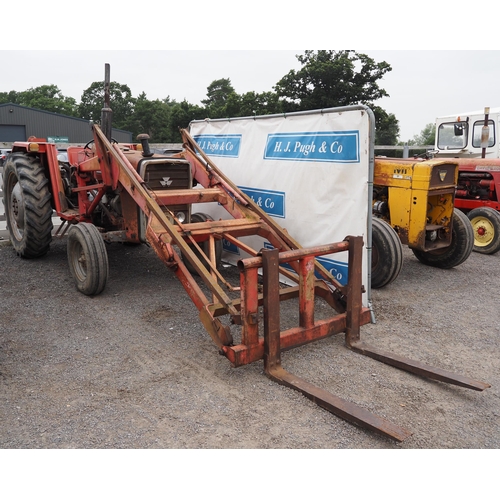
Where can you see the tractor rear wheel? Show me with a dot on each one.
(462, 243)
(27, 203)
(387, 254)
(205, 246)
(486, 226)
(87, 258)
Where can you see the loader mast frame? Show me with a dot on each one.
(345, 301)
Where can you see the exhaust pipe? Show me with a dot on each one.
(144, 138)
(106, 112)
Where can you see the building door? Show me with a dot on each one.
(11, 133)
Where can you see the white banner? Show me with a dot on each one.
(311, 171)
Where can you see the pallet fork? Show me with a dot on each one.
(345, 301)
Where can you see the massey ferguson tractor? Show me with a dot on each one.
(471, 139)
(109, 193)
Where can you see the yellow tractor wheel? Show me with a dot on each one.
(486, 225)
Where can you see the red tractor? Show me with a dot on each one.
(472, 140)
(110, 192)
(477, 195)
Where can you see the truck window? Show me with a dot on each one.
(452, 135)
(476, 137)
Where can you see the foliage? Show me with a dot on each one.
(181, 115)
(265, 103)
(121, 102)
(330, 78)
(386, 127)
(46, 97)
(9, 97)
(149, 117)
(426, 137)
(326, 79)
(222, 100)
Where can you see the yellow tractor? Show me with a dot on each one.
(415, 198)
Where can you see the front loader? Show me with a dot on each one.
(109, 192)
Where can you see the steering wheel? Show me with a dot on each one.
(87, 146)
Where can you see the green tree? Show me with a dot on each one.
(426, 137)
(121, 102)
(265, 103)
(386, 127)
(9, 97)
(222, 100)
(46, 97)
(181, 114)
(150, 117)
(330, 78)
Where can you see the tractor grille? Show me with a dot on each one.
(161, 174)
(166, 175)
(443, 176)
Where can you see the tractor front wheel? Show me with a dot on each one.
(462, 243)
(486, 226)
(27, 203)
(387, 254)
(87, 258)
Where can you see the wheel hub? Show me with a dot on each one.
(484, 231)
(17, 209)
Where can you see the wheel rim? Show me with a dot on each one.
(484, 232)
(16, 212)
(78, 261)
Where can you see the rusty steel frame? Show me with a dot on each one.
(312, 280)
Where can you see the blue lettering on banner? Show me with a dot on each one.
(227, 145)
(337, 269)
(230, 247)
(339, 147)
(272, 202)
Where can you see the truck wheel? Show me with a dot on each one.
(486, 226)
(87, 258)
(205, 246)
(27, 203)
(462, 243)
(387, 254)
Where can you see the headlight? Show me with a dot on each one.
(180, 216)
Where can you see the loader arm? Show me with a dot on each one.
(244, 311)
(195, 153)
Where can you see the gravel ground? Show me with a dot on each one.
(134, 367)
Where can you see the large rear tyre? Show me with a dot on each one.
(27, 203)
(87, 258)
(205, 246)
(387, 254)
(486, 227)
(462, 243)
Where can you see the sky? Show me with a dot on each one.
(425, 82)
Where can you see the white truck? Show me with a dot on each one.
(472, 139)
(469, 135)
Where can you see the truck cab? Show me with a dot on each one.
(467, 134)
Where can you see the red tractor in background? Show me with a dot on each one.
(472, 140)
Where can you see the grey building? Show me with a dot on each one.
(17, 123)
